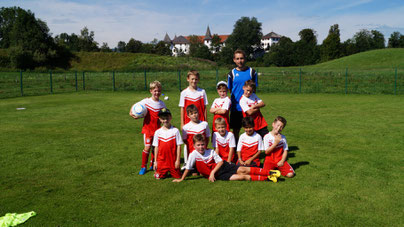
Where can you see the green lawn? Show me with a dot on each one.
(73, 158)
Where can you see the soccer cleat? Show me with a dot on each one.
(273, 178)
(276, 173)
(151, 168)
(142, 171)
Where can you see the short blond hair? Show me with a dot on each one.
(220, 121)
(155, 84)
(193, 72)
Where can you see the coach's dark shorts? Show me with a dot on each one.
(226, 171)
(235, 119)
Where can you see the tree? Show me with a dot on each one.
(197, 49)
(147, 48)
(71, 42)
(121, 47)
(331, 45)
(216, 43)
(363, 40)
(282, 53)
(29, 42)
(377, 40)
(348, 48)
(134, 46)
(86, 41)
(105, 48)
(307, 51)
(396, 40)
(225, 56)
(161, 48)
(246, 35)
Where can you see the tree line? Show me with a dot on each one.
(26, 43)
(247, 35)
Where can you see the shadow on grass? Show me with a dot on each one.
(291, 153)
(298, 164)
(293, 148)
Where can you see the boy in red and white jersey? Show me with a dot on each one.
(195, 126)
(221, 106)
(251, 105)
(276, 149)
(224, 142)
(249, 145)
(193, 95)
(150, 123)
(211, 166)
(167, 148)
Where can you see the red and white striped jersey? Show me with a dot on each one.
(198, 98)
(151, 121)
(191, 129)
(222, 103)
(246, 103)
(275, 155)
(167, 141)
(249, 146)
(204, 163)
(224, 143)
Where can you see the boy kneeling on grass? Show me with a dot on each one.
(167, 147)
(211, 166)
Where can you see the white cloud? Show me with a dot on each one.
(115, 21)
(352, 4)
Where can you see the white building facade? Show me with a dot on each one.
(180, 45)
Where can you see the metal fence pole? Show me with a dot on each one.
(21, 87)
(84, 81)
(179, 79)
(50, 79)
(113, 80)
(75, 77)
(300, 80)
(395, 83)
(346, 80)
(145, 80)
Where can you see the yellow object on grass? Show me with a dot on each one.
(13, 219)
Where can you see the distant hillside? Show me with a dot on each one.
(374, 59)
(98, 61)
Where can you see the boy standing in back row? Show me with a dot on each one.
(193, 95)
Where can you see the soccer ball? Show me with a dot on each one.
(166, 98)
(139, 110)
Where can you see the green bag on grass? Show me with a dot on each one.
(13, 219)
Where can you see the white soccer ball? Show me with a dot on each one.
(139, 110)
(166, 98)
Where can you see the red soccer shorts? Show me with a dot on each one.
(285, 169)
(162, 173)
(148, 140)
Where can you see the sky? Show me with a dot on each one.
(119, 20)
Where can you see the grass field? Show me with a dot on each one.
(371, 72)
(74, 158)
